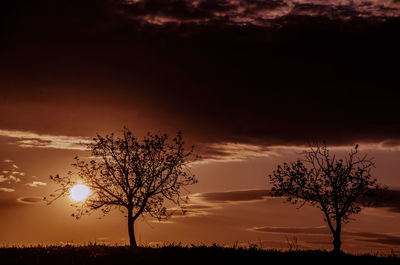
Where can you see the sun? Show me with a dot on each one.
(79, 192)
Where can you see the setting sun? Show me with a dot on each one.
(79, 192)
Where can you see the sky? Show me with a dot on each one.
(250, 83)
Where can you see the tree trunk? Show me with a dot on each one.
(337, 244)
(131, 230)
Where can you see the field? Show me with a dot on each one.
(178, 255)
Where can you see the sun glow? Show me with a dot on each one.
(79, 192)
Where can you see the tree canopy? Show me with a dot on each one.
(134, 175)
(335, 185)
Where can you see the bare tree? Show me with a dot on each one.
(136, 176)
(336, 186)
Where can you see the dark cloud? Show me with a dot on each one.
(30, 200)
(233, 196)
(331, 11)
(198, 207)
(391, 143)
(203, 201)
(218, 70)
(390, 200)
(293, 230)
(173, 9)
(249, 12)
(386, 239)
(257, 5)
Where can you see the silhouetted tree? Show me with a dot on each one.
(336, 186)
(136, 176)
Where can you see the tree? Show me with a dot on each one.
(136, 176)
(336, 186)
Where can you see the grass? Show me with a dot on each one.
(98, 254)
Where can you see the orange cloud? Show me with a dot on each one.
(34, 140)
(7, 189)
(36, 184)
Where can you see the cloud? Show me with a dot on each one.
(237, 152)
(36, 184)
(383, 238)
(232, 196)
(391, 201)
(33, 140)
(9, 178)
(197, 207)
(321, 230)
(231, 152)
(189, 210)
(7, 189)
(30, 200)
(231, 12)
(11, 175)
(250, 12)
(204, 203)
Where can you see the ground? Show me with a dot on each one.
(178, 255)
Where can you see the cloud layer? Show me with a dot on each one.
(30, 200)
(209, 200)
(251, 12)
(36, 184)
(232, 196)
(7, 189)
(30, 139)
(388, 239)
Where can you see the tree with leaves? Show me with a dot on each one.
(133, 175)
(337, 186)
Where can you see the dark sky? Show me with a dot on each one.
(247, 71)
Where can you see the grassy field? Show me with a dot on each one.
(177, 255)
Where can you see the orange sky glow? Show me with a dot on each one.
(229, 204)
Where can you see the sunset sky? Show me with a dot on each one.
(250, 83)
